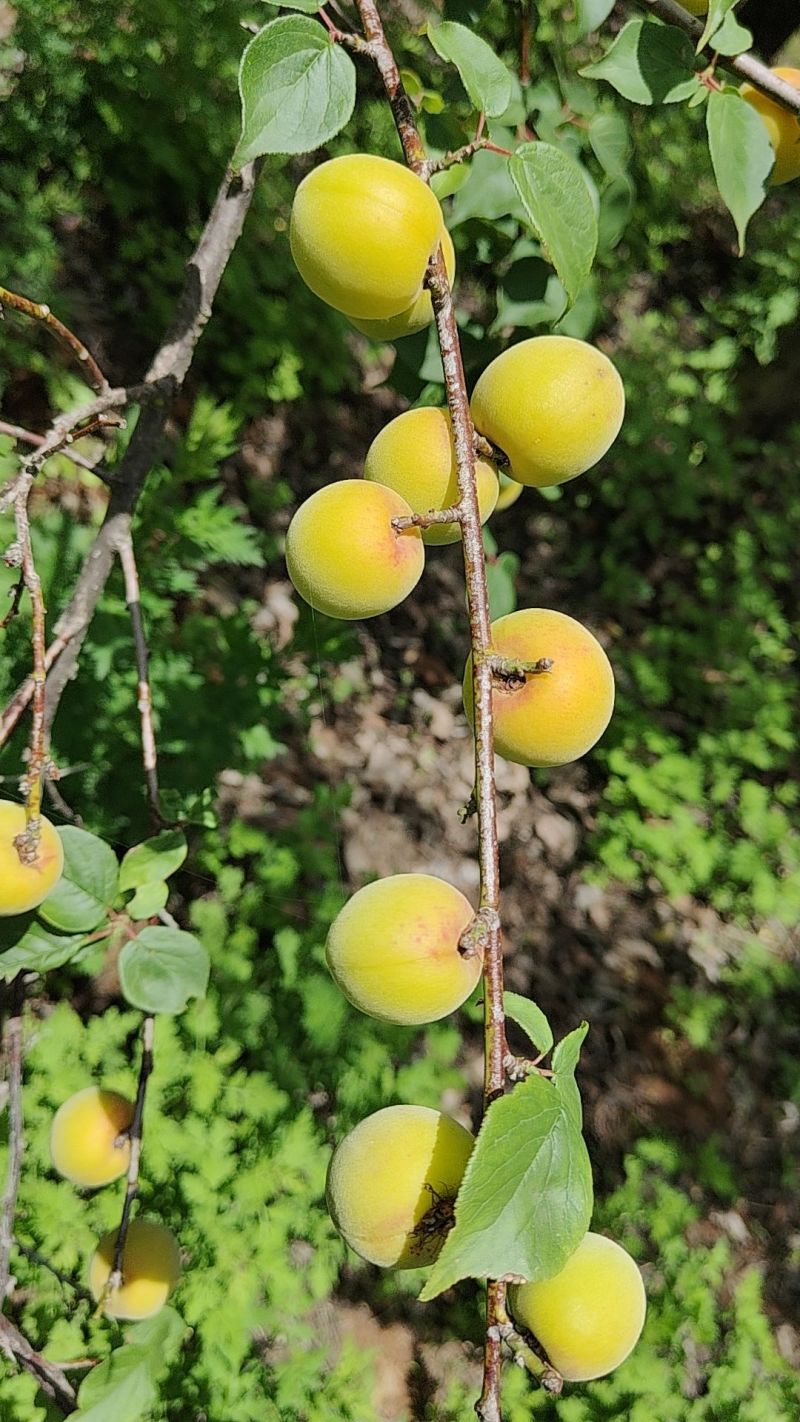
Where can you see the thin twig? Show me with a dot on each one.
(37, 1258)
(487, 921)
(751, 68)
(22, 696)
(144, 700)
(48, 1375)
(28, 437)
(12, 1042)
(39, 312)
(135, 1136)
(427, 520)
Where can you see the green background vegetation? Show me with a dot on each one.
(680, 550)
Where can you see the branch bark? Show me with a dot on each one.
(135, 1135)
(487, 923)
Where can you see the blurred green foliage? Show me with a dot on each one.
(680, 549)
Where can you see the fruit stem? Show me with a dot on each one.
(488, 917)
(135, 1137)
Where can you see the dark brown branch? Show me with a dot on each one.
(48, 1375)
(39, 312)
(12, 1044)
(488, 917)
(751, 68)
(144, 699)
(135, 1137)
(163, 381)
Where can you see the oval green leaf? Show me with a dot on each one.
(741, 155)
(88, 886)
(485, 78)
(648, 64)
(162, 968)
(152, 860)
(298, 89)
(530, 1018)
(557, 200)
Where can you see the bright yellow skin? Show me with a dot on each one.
(558, 715)
(510, 491)
(415, 455)
(393, 949)
(397, 1168)
(589, 1317)
(343, 555)
(84, 1137)
(151, 1266)
(419, 314)
(362, 232)
(25, 886)
(554, 405)
(782, 127)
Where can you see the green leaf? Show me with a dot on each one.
(484, 76)
(590, 14)
(564, 1061)
(501, 576)
(717, 11)
(526, 1199)
(34, 948)
(608, 135)
(149, 900)
(88, 886)
(298, 89)
(309, 7)
(556, 197)
(155, 859)
(741, 154)
(530, 1018)
(123, 1387)
(732, 38)
(162, 968)
(648, 64)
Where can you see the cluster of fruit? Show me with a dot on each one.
(363, 230)
(90, 1146)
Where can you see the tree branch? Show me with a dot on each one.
(135, 1136)
(751, 68)
(39, 312)
(144, 699)
(12, 1043)
(48, 1375)
(488, 916)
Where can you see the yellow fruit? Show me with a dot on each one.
(25, 886)
(362, 232)
(510, 491)
(343, 555)
(781, 125)
(558, 715)
(419, 314)
(85, 1143)
(553, 405)
(589, 1317)
(392, 1183)
(393, 949)
(151, 1266)
(415, 455)
(695, 7)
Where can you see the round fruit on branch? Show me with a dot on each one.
(415, 455)
(362, 232)
(554, 716)
(392, 1184)
(345, 557)
(589, 1317)
(553, 405)
(394, 950)
(23, 886)
(151, 1266)
(88, 1138)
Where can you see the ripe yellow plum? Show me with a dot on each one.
(394, 949)
(343, 555)
(362, 231)
(392, 1183)
(88, 1144)
(510, 491)
(419, 314)
(557, 715)
(553, 405)
(415, 455)
(589, 1317)
(151, 1266)
(781, 125)
(25, 886)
